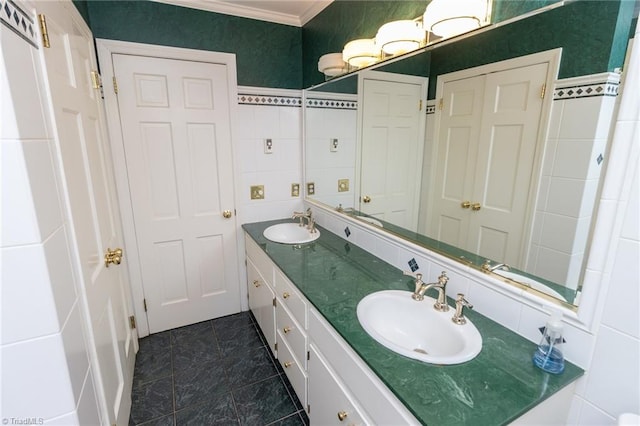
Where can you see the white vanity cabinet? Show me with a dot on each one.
(261, 293)
(359, 393)
(291, 334)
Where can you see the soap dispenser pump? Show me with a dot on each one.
(548, 355)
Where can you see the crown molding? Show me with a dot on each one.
(235, 9)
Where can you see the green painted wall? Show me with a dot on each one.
(267, 54)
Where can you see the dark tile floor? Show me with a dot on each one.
(216, 372)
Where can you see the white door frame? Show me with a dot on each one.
(107, 48)
(552, 57)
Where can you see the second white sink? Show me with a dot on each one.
(290, 233)
(416, 330)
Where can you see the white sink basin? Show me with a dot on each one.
(290, 233)
(531, 283)
(416, 330)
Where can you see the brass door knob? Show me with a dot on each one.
(288, 364)
(366, 199)
(465, 204)
(285, 295)
(342, 415)
(226, 214)
(113, 256)
(475, 207)
(256, 283)
(286, 330)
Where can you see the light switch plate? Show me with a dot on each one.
(343, 185)
(268, 146)
(257, 192)
(295, 189)
(311, 188)
(333, 145)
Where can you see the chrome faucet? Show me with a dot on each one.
(311, 223)
(486, 266)
(461, 303)
(421, 288)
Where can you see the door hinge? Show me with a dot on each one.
(308, 409)
(275, 346)
(420, 106)
(144, 302)
(95, 80)
(308, 356)
(132, 321)
(441, 104)
(115, 85)
(274, 302)
(543, 91)
(43, 30)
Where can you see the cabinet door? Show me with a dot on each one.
(261, 299)
(329, 403)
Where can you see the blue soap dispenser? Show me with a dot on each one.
(548, 355)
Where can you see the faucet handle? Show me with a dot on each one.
(443, 279)
(461, 303)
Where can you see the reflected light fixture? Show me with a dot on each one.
(332, 64)
(447, 18)
(361, 52)
(399, 37)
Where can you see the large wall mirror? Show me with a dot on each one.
(453, 178)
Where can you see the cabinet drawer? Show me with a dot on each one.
(291, 332)
(329, 401)
(377, 400)
(292, 369)
(288, 294)
(262, 262)
(261, 299)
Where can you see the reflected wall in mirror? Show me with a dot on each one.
(475, 167)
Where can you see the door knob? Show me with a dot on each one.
(226, 214)
(112, 256)
(342, 415)
(286, 329)
(465, 204)
(475, 207)
(366, 199)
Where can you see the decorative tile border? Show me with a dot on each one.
(331, 103)
(605, 88)
(253, 99)
(431, 109)
(18, 21)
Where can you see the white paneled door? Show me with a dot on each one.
(90, 189)
(488, 135)
(175, 120)
(392, 145)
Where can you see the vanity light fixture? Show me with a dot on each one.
(332, 64)
(447, 18)
(361, 52)
(397, 37)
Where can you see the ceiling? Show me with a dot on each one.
(288, 12)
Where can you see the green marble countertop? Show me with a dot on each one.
(495, 388)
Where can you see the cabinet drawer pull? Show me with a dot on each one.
(286, 330)
(285, 295)
(342, 415)
(256, 283)
(288, 364)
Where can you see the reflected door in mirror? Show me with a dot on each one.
(486, 148)
(392, 146)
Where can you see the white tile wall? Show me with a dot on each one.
(577, 136)
(276, 171)
(45, 363)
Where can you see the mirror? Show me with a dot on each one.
(341, 140)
